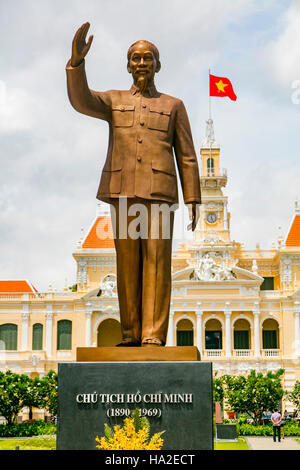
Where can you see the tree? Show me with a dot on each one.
(19, 390)
(34, 395)
(49, 386)
(294, 395)
(255, 393)
(13, 392)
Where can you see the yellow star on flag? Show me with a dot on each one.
(221, 86)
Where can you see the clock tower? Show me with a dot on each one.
(214, 223)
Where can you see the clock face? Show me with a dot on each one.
(211, 218)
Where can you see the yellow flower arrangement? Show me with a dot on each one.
(134, 435)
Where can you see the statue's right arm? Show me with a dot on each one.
(82, 98)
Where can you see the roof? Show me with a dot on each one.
(293, 238)
(17, 286)
(100, 234)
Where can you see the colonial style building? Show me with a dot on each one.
(240, 308)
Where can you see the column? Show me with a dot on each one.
(297, 327)
(225, 216)
(49, 326)
(256, 313)
(88, 324)
(170, 336)
(24, 338)
(227, 312)
(199, 313)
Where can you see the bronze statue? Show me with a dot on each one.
(144, 128)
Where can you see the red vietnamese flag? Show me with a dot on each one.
(221, 86)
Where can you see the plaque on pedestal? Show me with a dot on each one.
(176, 396)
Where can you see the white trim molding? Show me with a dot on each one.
(297, 327)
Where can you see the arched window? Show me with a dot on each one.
(9, 337)
(185, 333)
(270, 334)
(213, 334)
(210, 166)
(241, 334)
(37, 337)
(64, 334)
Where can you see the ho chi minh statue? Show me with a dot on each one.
(145, 126)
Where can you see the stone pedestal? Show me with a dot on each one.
(128, 354)
(176, 396)
(226, 432)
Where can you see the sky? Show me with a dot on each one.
(52, 156)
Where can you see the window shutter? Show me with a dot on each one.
(64, 334)
(185, 338)
(241, 339)
(269, 339)
(9, 337)
(37, 337)
(213, 339)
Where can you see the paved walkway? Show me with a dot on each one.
(267, 443)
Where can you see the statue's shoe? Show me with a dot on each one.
(128, 343)
(152, 342)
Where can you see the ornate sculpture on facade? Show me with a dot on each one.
(109, 286)
(208, 270)
(210, 134)
(286, 271)
(209, 140)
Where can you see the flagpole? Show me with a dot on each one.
(209, 98)
(209, 110)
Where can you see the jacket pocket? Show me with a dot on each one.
(110, 182)
(122, 115)
(163, 180)
(158, 120)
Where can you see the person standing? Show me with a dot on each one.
(276, 419)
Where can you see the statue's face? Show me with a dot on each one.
(142, 63)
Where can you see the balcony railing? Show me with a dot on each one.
(34, 295)
(213, 352)
(270, 352)
(271, 293)
(265, 353)
(11, 296)
(222, 173)
(242, 352)
(30, 355)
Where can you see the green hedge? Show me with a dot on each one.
(35, 428)
(290, 429)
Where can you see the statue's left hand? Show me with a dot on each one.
(194, 215)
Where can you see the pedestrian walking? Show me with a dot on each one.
(276, 419)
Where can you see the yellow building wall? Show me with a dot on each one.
(288, 334)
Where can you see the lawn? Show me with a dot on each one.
(241, 444)
(32, 443)
(49, 443)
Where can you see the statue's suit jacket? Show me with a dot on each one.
(143, 131)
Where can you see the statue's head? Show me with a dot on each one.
(143, 63)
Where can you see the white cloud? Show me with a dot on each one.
(15, 104)
(282, 55)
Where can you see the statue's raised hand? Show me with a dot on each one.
(80, 47)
